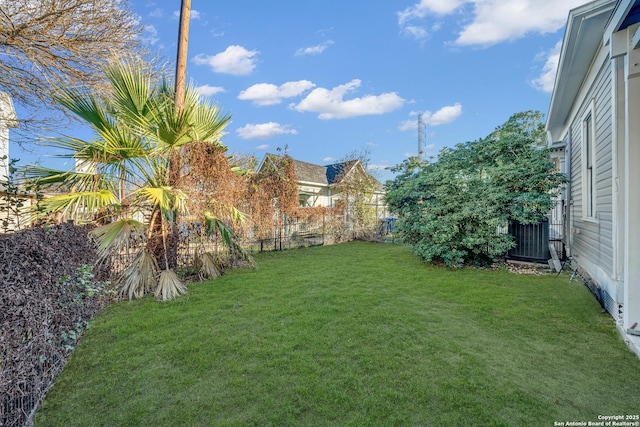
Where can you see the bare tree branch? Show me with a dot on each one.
(46, 44)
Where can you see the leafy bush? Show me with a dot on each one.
(456, 209)
(47, 296)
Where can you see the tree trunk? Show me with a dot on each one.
(175, 161)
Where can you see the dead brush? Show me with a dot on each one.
(210, 266)
(140, 277)
(169, 286)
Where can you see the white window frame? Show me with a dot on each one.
(589, 163)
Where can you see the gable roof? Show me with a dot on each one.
(337, 171)
(316, 174)
(308, 172)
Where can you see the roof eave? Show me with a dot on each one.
(620, 13)
(582, 39)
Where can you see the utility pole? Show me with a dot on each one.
(421, 136)
(181, 60)
(175, 161)
(180, 83)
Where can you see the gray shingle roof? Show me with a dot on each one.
(317, 174)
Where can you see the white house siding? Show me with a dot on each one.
(592, 240)
(4, 151)
(317, 194)
(599, 66)
(8, 120)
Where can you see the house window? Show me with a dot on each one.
(305, 200)
(589, 168)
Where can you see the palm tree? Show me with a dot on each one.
(122, 178)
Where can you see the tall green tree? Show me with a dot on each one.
(122, 176)
(457, 208)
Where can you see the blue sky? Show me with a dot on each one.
(327, 78)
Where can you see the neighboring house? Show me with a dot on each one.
(325, 185)
(16, 217)
(8, 120)
(593, 125)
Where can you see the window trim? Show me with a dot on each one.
(589, 165)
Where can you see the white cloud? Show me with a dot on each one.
(314, 50)
(328, 159)
(496, 21)
(489, 21)
(264, 130)
(443, 116)
(415, 31)
(420, 10)
(270, 94)
(149, 34)
(206, 90)
(156, 13)
(330, 103)
(262, 147)
(194, 14)
(408, 125)
(235, 60)
(547, 78)
(378, 168)
(425, 7)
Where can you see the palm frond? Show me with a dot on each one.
(131, 88)
(79, 204)
(169, 286)
(155, 170)
(229, 237)
(210, 266)
(158, 196)
(227, 211)
(198, 120)
(117, 236)
(171, 201)
(139, 278)
(80, 181)
(208, 122)
(85, 105)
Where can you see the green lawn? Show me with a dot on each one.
(353, 334)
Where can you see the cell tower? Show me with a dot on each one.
(421, 136)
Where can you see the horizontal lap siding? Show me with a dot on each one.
(594, 240)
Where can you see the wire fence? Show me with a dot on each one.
(25, 392)
(26, 389)
(286, 234)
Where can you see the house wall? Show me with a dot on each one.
(318, 195)
(15, 221)
(591, 239)
(4, 151)
(604, 246)
(631, 174)
(7, 120)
